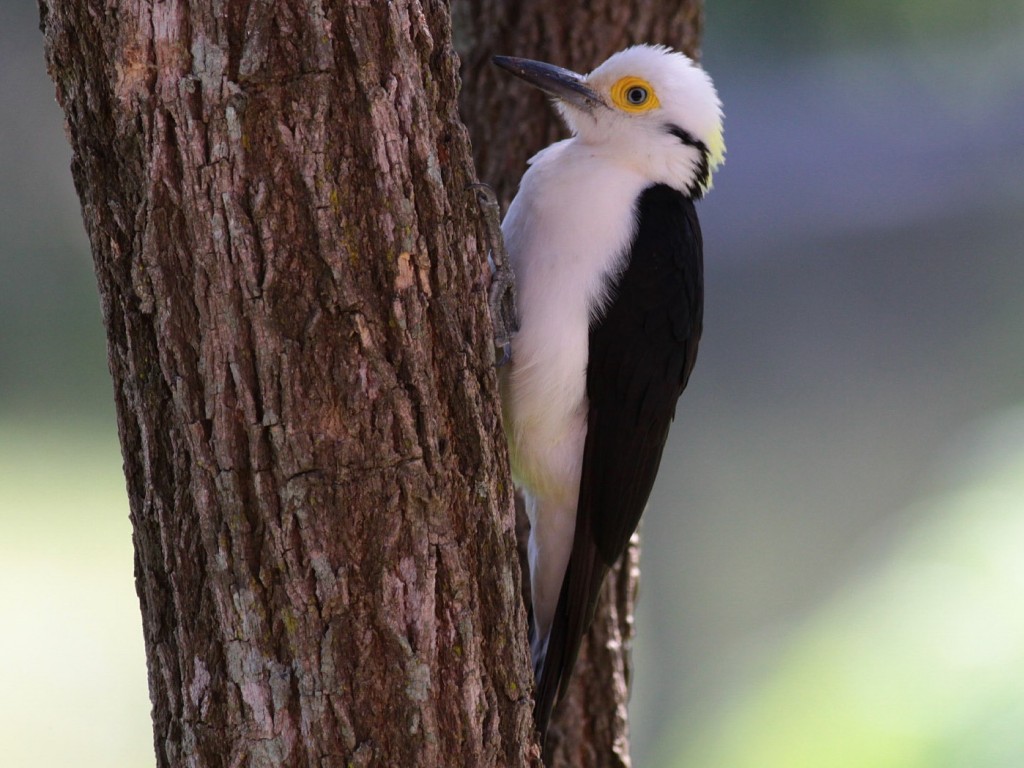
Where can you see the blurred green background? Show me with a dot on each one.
(834, 555)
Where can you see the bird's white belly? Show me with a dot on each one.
(546, 406)
(568, 228)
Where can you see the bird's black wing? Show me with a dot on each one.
(642, 350)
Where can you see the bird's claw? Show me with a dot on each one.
(502, 303)
(506, 354)
(502, 294)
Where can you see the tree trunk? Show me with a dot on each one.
(293, 282)
(508, 123)
(291, 273)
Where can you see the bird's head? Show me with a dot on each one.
(653, 107)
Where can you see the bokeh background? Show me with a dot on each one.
(834, 554)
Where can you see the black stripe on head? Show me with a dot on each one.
(703, 170)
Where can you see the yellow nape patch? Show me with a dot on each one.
(716, 156)
(634, 94)
(716, 150)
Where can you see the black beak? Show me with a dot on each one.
(561, 83)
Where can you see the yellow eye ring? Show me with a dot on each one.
(633, 94)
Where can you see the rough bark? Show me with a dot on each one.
(508, 123)
(290, 268)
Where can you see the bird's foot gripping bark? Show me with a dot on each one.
(502, 296)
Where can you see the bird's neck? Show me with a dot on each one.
(660, 160)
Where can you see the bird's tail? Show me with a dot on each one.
(555, 656)
(547, 674)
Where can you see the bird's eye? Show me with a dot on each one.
(636, 95)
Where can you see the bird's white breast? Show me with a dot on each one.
(567, 233)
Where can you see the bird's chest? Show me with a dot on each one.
(568, 233)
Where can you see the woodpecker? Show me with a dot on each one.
(606, 248)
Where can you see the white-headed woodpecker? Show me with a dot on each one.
(607, 252)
